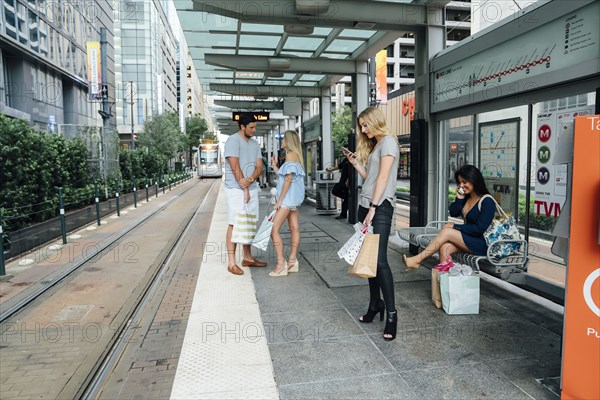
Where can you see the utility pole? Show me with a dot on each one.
(131, 103)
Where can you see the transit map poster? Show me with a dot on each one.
(499, 157)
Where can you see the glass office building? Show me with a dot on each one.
(146, 65)
(43, 68)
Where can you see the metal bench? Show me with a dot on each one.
(501, 267)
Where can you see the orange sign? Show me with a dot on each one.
(408, 106)
(581, 340)
(381, 75)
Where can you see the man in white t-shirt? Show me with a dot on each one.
(242, 170)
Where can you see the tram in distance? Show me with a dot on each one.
(209, 160)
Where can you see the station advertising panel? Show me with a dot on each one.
(562, 49)
(551, 176)
(581, 339)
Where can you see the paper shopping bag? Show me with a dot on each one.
(261, 239)
(365, 265)
(244, 227)
(436, 295)
(460, 294)
(351, 248)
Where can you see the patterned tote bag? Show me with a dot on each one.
(503, 227)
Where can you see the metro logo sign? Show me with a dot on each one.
(544, 133)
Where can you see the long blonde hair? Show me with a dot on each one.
(292, 142)
(377, 126)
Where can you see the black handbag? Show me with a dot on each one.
(340, 190)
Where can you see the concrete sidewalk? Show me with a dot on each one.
(298, 337)
(319, 349)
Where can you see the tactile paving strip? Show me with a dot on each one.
(225, 353)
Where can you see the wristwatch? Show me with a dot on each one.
(371, 205)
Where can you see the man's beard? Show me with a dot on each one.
(248, 136)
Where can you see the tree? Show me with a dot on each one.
(161, 134)
(195, 129)
(341, 126)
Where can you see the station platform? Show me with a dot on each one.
(294, 337)
(297, 336)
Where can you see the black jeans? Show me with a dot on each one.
(384, 281)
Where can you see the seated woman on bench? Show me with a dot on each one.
(467, 237)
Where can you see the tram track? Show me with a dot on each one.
(85, 379)
(95, 386)
(30, 296)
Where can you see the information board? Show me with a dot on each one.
(499, 158)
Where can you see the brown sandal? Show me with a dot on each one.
(235, 270)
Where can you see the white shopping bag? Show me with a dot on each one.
(460, 294)
(244, 227)
(351, 248)
(261, 240)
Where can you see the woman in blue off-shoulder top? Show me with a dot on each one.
(290, 195)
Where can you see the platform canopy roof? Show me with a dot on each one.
(248, 51)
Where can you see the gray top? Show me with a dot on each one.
(247, 152)
(388, 146)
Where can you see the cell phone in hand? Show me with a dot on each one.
(461, 191)
(346, 150)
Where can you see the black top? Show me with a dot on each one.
(344, 168)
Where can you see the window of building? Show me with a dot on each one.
(407, 71)
(33, 31)
(390, 70)
(34, 82)
(52, 44)
(43, 35)
(10, 18)
(390, 50)
(22, 23)
(140, 111)
(457, 34)
(348, 90)
(407, 52)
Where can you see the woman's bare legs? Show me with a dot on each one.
(295, 231)
(446, 235)
(446, 250)
(278, 220)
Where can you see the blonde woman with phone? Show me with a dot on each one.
(376, 160)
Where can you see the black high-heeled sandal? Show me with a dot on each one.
(373, 311)
(391, 323)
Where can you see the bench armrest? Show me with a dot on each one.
(434, 226)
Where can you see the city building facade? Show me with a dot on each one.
(43, 61)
